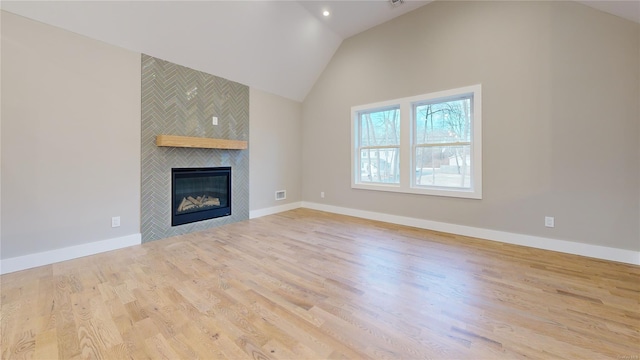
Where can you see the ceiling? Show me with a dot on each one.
(348, 18)
(276, 46)
(627, 9)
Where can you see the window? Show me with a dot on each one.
(429, 144)
(379, 145)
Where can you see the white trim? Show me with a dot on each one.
(569, 247)
(274, 210)
(595, 251)
(72, 252)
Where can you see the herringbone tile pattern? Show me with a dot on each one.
(180, 101)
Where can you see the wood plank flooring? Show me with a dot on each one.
(311, 285)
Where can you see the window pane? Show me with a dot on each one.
(443, 122)
(447, 166)
(380, 165)
(380, 127)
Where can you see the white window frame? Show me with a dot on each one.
(408, 146)
(358, 147)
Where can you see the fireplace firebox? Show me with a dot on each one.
(200, 194)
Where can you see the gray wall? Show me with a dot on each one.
(560, 88)
(72, 103)
(275, 145)
(70, 138)
(1, 17)
(177, 100)
(557, 79)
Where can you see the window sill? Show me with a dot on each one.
(433, 191)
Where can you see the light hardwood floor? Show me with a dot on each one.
(311, 285)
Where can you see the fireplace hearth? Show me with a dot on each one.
(200, 194)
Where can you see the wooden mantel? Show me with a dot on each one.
(199, 142)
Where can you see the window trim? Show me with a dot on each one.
(408, 145)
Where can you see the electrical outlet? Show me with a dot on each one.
(549, 221)
(322, 194)
(115, 221)
(214, 120)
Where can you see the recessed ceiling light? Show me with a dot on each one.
(326, 13)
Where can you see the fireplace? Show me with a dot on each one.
(200, 194)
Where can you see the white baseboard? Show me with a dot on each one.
(72, 252)
(569, 247)
(274, 210)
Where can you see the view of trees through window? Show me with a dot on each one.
(442, 137)
(436, 136)
(380, 145)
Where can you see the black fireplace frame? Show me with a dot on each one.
(206, 214)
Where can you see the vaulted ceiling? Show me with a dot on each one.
(277, 46)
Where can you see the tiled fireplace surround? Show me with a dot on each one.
(180, 101)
